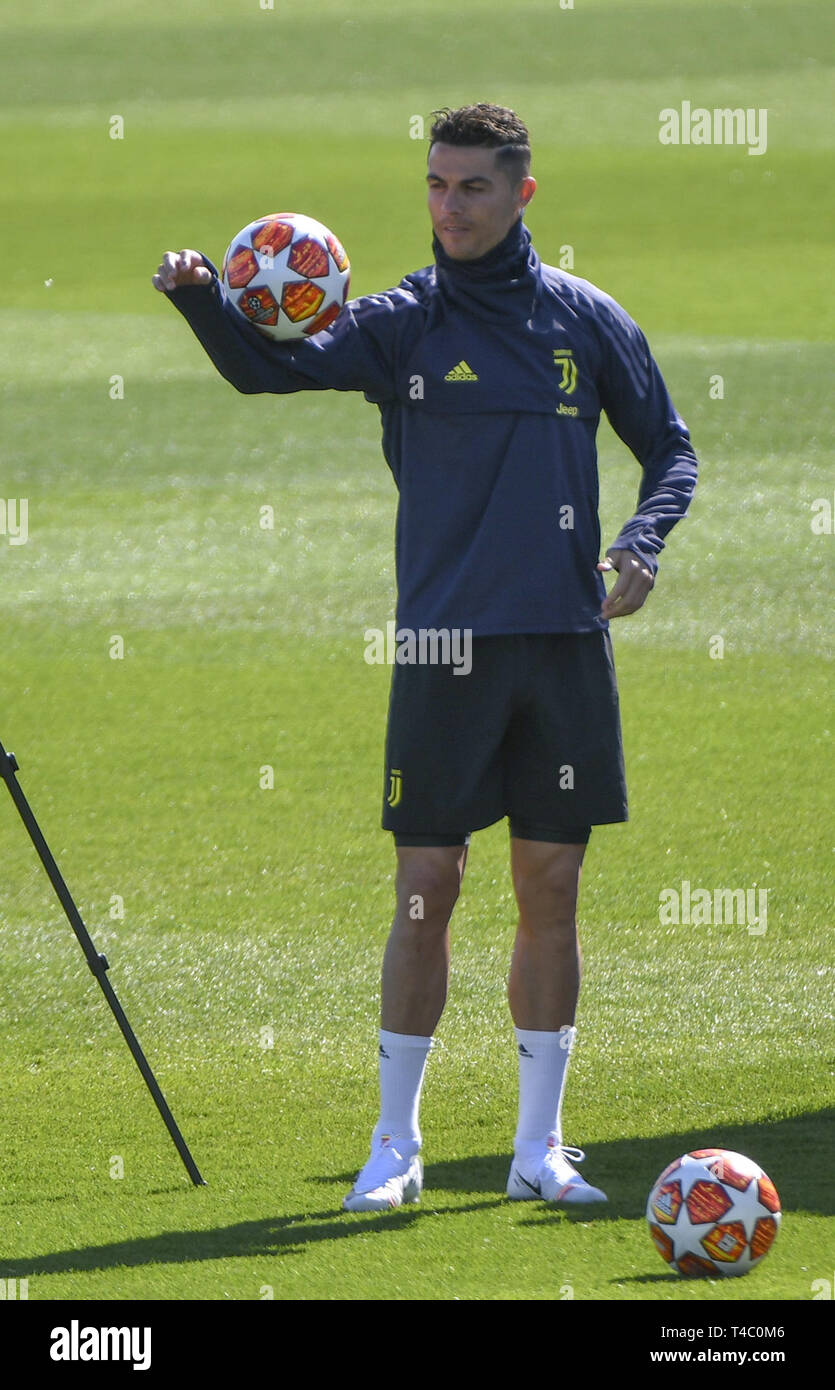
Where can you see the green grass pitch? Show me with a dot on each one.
(245, 925)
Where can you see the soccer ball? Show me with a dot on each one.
(713, 1212)
(287, 274)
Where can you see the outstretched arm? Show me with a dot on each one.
(357, 353)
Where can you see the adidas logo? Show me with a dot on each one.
(462, 372)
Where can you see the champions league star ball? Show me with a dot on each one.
(713, 1212)
(287, 275)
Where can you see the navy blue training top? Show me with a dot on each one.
(490, 376)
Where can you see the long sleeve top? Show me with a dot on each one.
(490, 377)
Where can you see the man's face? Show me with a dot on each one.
(472, 202)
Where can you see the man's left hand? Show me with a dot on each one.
(633, 583)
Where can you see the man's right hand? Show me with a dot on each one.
(181, 268)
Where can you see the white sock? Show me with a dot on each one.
(402, 1063)
(543, 1064)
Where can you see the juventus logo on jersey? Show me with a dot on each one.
(395, 787)
(564, 358)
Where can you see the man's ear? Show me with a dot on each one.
(527, 188)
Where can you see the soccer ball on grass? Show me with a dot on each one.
(713, 1212)
(287, 274)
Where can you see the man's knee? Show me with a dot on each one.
(428, 881)
(546, 881)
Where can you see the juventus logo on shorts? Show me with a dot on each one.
(395, 787)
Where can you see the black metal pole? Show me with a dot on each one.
(96, 961)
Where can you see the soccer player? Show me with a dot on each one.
(490, 370)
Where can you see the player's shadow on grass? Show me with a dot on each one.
(267, 1238)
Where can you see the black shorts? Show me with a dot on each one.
(532, 732)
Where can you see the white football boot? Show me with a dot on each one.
(553, 1179)
(387, 1180)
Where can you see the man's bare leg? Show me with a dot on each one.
(416, 960)
(545, 969)
(414, 988)
(543, 988)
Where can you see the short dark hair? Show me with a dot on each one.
(497, 127)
